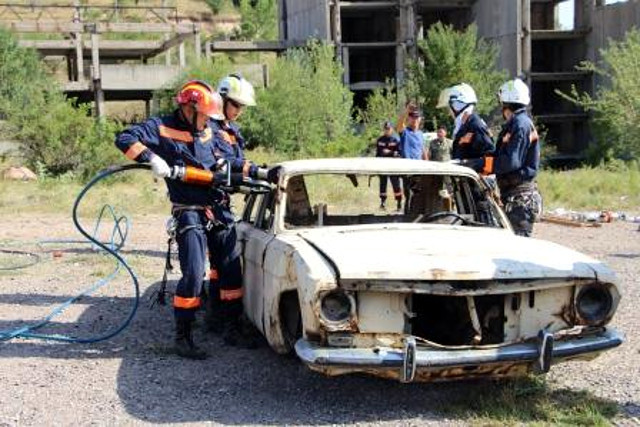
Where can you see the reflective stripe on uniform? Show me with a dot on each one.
(135, 150)
(178, 135)
(187, 303)
(230, 294)
(467, 138)
(488, 166)
(207, 135)
(231, 139)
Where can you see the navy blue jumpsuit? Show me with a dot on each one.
(204, 220)
(389, 146)
(472, 144)
(516, 164)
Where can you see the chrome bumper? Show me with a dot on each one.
(437, 359)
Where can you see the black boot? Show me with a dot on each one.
(213, 313)
(184, 345)
(399, 205)
(235, 335)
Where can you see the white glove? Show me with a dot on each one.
(222, 165)
(159, 167)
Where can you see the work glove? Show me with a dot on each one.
(222, 165)
(159, 167)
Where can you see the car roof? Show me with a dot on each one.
(368, 165)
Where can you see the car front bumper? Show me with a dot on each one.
(441, 363)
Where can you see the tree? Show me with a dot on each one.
(381, 106)
(616, 104)
(449, 57)
(307, 109)
(54, 133)
(259, 20)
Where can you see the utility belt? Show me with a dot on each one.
(513, 182)
(174, 229)
(211, 223)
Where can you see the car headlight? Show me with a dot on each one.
(594, 303)
(337, 307)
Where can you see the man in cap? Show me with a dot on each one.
(388, 145)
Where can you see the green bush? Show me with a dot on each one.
(214, 5)
(210, 72)
(22, 77)
(258, 20)
(56, 136)
(305, 112)
(307, 108)
(616, 103)
(450, 57)
(381, 106)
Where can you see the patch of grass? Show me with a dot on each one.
(531, 400)
(137, 192)
(613, 187)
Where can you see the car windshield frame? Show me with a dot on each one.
(280, 223)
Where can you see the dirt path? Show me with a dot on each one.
(133, 378)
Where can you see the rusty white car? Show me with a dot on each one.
(441, 290)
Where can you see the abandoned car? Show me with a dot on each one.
(440, 290)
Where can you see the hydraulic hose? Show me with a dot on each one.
(112, 249)
(186, 174)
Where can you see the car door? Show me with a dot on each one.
(256, 235)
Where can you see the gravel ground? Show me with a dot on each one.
(133, 378)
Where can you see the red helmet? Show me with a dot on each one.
(202, 97)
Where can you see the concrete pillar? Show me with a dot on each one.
(79, 62)
(265, 75)
(400, 64)
(167, 55)
(525, 40)
(583, 14)
(198, 43)
(95, 74)
(70, 69)
(346, 78)
(183, 61)
(336, 28)
(79, 58)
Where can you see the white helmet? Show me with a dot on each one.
(461, 93)
(514, 92)
(237, 89)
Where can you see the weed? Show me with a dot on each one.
(530, 400)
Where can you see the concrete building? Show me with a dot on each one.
(373, 38)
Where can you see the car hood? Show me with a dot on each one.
(436, 252)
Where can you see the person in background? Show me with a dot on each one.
(517, 158)
(439, 149)
(388, 145)
(472, 145)
(411, 143)
(225, 305)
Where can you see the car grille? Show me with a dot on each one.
(446, 320)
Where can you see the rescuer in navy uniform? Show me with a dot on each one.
(388, 145)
